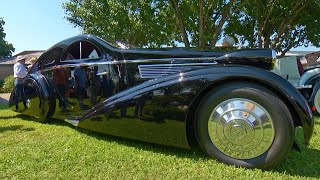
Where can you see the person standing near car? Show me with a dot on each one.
(60, 76)
(19, 72)
(80, 84)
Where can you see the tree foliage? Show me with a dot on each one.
(281, 24)
(278, 24)
(6, 49)
(153, 23)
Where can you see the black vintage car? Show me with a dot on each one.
(225, 102)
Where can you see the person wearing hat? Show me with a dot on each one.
(19, 72)
(31, 61)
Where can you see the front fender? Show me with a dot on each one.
(39, 95)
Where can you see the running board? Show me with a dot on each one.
(74, 121)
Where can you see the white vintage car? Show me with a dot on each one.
(303, 72)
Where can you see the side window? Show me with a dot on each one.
(49, 57)
(81, 50)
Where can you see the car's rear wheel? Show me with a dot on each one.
(244, 124)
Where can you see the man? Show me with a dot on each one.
(80, 84)
(60, 75)
(19, 72)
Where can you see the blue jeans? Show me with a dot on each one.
(19, 92)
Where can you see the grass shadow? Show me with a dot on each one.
(4, 106)
(15, 128)
(304, 164)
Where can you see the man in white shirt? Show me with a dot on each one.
(19, 72)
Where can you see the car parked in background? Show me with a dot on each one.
(228, 103)
(302, 71)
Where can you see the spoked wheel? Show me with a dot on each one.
(244, 124)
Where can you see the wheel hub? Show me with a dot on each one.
(241, 128)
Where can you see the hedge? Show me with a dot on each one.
(8, 85)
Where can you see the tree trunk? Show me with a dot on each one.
(225, 15)
(267, 34)
(201, 23)
(181, 26)
(292, 45)
(264, 22)
(286, 22)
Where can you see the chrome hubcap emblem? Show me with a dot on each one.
(241, 128)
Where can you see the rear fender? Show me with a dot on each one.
(296, 103)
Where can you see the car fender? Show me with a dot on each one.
(315, 88)
(289, 94)
(209, 78)
(44, 93)
(308, 75)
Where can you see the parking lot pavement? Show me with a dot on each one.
(4, 98)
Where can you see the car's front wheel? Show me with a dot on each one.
(244, 124)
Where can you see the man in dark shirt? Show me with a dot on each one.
(80, 84)
(60, 75)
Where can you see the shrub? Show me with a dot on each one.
(8, 85)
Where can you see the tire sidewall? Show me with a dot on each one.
(316, 102)
(283, 125)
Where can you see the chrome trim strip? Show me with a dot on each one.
(158, 70)
(72, 121)
(143, 60)
(114, 62)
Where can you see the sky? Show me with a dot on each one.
(39, 24)
(35, 24)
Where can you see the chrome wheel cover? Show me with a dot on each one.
(241, 128)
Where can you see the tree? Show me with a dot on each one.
(6, 49)
(154, 23)
(278, 24)
(136, 22)
(281, 24)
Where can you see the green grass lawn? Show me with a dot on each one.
(57, 150)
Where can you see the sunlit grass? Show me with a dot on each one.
(57, 150)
